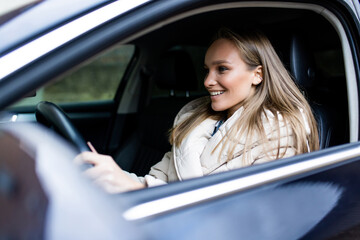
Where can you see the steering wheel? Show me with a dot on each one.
(54, 117)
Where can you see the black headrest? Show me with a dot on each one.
(176, 71)
(302, 63)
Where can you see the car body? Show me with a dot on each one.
(45, 44)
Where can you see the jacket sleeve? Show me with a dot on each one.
(157, 175)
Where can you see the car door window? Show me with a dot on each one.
(94, 81)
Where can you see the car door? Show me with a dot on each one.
(317, 202)
(305, 197)
(302, 196)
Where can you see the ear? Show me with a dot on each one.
(258, 75)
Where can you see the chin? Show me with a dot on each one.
(218, 108)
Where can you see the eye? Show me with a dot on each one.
(222, 69)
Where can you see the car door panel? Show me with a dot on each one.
(287, 207)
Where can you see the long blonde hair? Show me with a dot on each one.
(277, 93)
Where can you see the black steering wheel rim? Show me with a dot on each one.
(53, 116)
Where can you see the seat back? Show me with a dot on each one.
(175, 74)
(302, 65)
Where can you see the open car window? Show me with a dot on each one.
(96, 80)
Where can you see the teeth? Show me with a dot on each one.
(216, 93)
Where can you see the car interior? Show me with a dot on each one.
(173, 76)
(166, 72)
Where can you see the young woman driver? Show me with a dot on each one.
(255, 113)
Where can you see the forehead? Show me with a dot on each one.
(222, 49)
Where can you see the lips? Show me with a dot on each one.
(216, 93)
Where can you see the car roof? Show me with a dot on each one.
(37, 17)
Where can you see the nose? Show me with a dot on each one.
(209, 80)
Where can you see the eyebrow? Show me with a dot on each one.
(217, 62)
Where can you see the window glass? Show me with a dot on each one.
(94, 81)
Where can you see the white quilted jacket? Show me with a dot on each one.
(194, 157)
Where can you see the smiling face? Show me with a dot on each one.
(229, 79)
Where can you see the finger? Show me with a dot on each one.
(78, 160)
(90, 157)
(94, 172)
(91, 147)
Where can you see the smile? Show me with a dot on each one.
(216, 93)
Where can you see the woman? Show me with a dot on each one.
(255, 113)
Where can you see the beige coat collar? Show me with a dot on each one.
(193, 158)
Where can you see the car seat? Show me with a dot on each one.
(302, 65)
(176, 76)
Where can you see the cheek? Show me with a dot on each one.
(242, 84)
